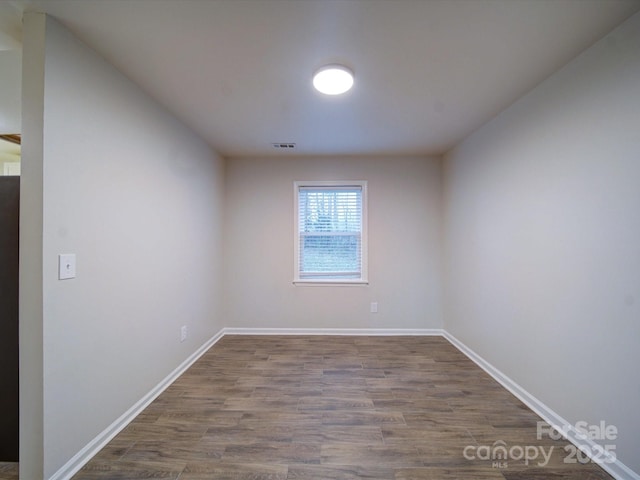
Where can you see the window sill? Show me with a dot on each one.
(330, 283)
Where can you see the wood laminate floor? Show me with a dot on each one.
(8, 471)
(318, 407)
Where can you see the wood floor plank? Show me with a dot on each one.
(339, 472)
(125, 470)
(439, 473)
(575, 473)
(352, 434)
(9, 471)
(273, 453)
(370, 456)
(234, 471)
(331, 408)
(173, 451)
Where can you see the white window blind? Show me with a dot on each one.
(330, 239)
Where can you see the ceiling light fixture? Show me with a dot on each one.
(333, 79)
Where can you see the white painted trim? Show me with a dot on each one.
(335, 331)
(615, 468)
(94, 446)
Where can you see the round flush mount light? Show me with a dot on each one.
(333, 79)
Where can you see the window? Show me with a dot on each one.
(330, 243)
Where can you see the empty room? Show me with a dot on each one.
(324, 239)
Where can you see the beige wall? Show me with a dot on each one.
(404, 245)
(10, 90)
(542, 215)
(138, 198)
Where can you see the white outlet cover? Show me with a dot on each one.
(66, 266)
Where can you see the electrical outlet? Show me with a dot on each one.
(183, 333)
(66, 266)
(374, 307)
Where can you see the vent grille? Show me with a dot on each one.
(284, 146)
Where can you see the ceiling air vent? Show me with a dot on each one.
(284, 146)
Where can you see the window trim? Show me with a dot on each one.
(364, 272)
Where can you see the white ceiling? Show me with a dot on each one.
(428, 72)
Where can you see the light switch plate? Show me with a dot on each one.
(66, 266)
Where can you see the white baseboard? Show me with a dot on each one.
(94, 446)
(336, 331)
(613, 466)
